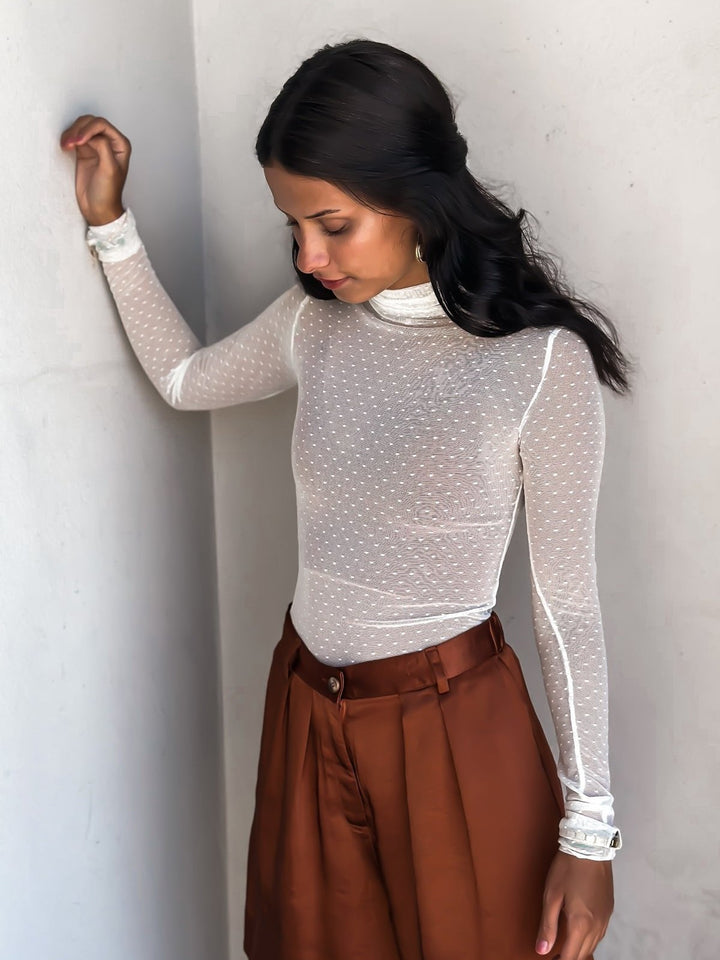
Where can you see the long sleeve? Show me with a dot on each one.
(562, 444)
(254, 362)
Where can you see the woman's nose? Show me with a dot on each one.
(312, 256)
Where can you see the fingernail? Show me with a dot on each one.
(543, 946)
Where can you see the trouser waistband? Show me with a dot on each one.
(403, 673)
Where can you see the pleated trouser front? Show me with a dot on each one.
(402, 813)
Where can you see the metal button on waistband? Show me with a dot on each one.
(333, 684)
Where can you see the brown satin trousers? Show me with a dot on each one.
(407, 808)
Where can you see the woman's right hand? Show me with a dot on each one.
(102, 156)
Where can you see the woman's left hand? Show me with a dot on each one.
(583, 890)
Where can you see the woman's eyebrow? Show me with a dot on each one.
(313, 216)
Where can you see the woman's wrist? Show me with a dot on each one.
(107, 218)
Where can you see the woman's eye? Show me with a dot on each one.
(329, 233)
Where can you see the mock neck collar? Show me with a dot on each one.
(415, 306)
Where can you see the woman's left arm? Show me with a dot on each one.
(562, 444)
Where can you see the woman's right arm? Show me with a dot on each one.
(254, 362)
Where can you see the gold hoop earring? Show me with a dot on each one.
(418, 253)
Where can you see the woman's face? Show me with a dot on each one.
(340, 238)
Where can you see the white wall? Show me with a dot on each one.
(111, 830)
(604, 117)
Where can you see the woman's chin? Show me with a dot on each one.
(348, 295)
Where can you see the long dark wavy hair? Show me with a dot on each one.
(375, 122)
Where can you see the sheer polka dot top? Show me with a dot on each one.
(414, 445)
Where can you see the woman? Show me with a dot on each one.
(407, 802)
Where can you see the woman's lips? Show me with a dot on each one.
(332, 284)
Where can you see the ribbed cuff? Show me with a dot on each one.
(114, 241)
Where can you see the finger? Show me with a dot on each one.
(588, 946)
(592, 944)
(105, 155)
(99, 125)
(573, 944)
(69, 133)
(547, 931)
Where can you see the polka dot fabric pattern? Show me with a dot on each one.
(414, 445)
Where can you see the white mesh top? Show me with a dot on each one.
(413, 446)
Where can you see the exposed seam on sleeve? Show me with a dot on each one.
(568, 678)
(175, 378)
(556, 631)
(546, 364)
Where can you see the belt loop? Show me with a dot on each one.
(437, 668)
(335, 685)
(339, 700)
(496, 632)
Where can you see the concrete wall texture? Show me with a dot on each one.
(124, 807)
(111, 824)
